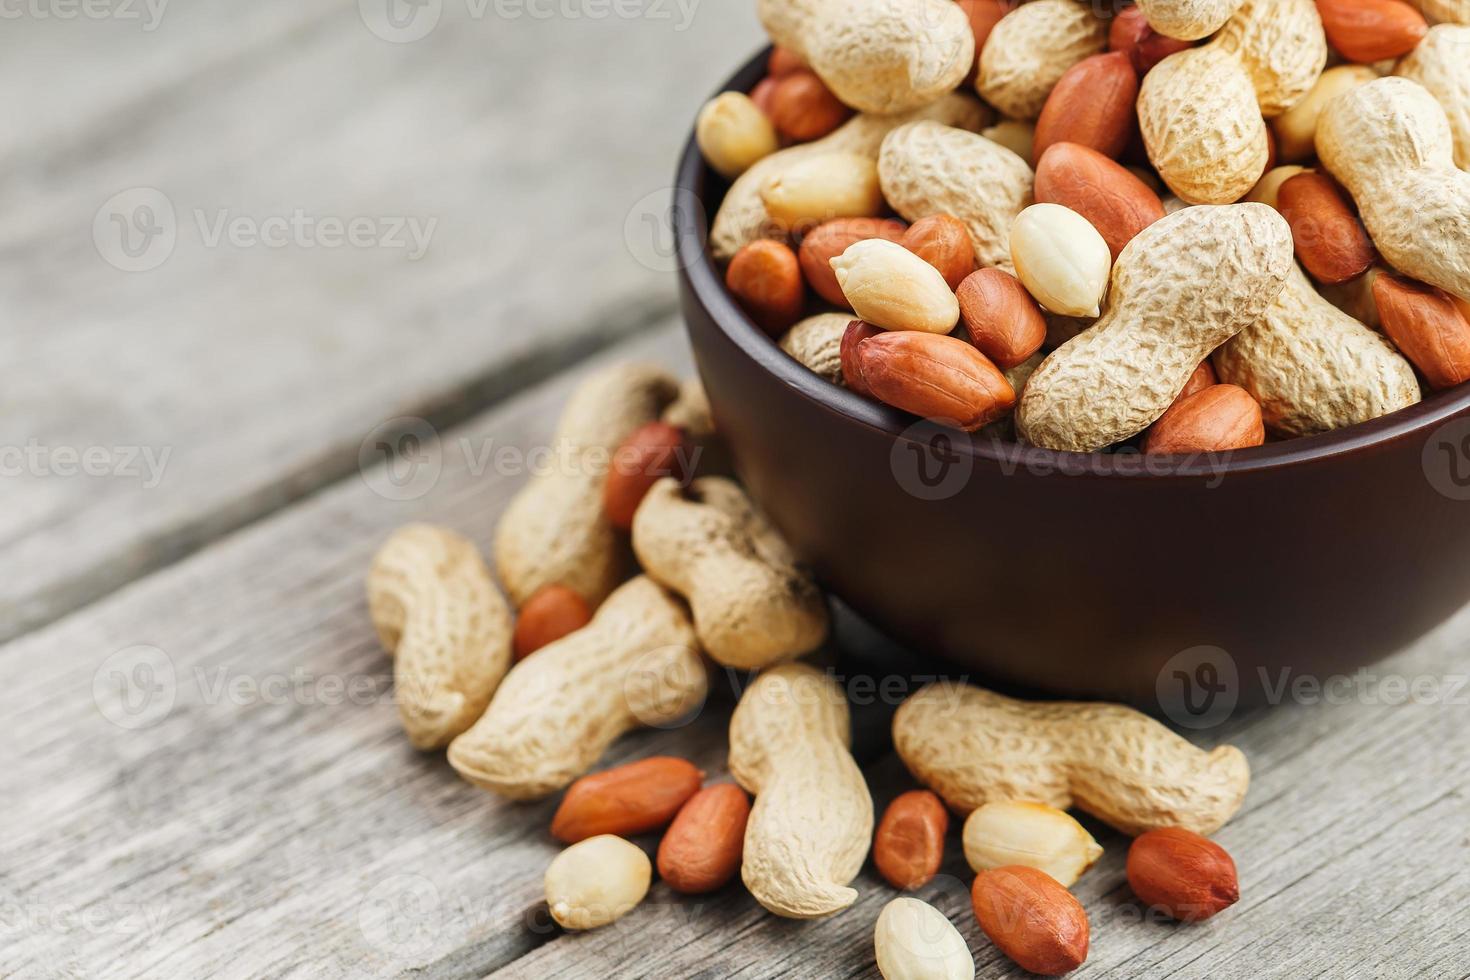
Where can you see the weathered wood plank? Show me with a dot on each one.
(532, 155)
(273, 805)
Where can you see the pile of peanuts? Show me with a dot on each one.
(1181, 227)
(628, 579)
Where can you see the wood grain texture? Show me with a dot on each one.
(542, 149)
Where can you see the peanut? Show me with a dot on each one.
(1092, 105)
(943, 241)
(1281, 46)
(733, 134)
(1312, 367)
(1427, 326)
(973, 747)
(891, 287)
(1202, 126)
(1029, 51)
(1061, 259)
(881, 56)
(690, 412)
(1032, 919)
(813, 818)
(701, 850)
(1188, 877)
(1131, 34)
(742, 216)
(909, 845)
(765, 278)
(852, 370)
(914, 941)
(555, 531)
(596, 882)
(1188, 20)
(928, 168)
(1441, 63)
(637, 663)
(437, 611)
(1184, 286)
(1113, 200)
(783, 61)
(935, 377)
(1296, 129)
(1216, 420)
(804, 109)
(827, 241)
(1389, 143)
(1200, 110)
(546, 617)
(1330, 240)
(753, 603)
(1001, 319)
(1013, 832)
(1366, 31)
(627, 800)
(817, 343)
(652, 452)
(822, 187)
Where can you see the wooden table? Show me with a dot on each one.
(205, 774)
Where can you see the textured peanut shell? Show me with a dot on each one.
(890, 55)
(753, 603)
(927, 168)
(1187, 20)
(816, 342)
(637, 663)
(691, 411)
(742, 215)
(1313, 368)
(1441, 63)
(1202, 126)
(554, 532)
(1282, 46)
(1444, 11)
(973, 747)
(1031, 49)
(1389, 143)
(809, 830)
(1183, 287)
(447, 625)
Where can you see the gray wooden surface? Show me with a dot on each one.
(204, 774)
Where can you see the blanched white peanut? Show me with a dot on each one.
(892, 288)
(820, 188)
(733, 134)
(914, 941)
(1061, 259)
(1032, 834)
(596, 882)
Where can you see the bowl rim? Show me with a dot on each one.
(690, 215)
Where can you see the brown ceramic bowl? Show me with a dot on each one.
(1090, 575)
